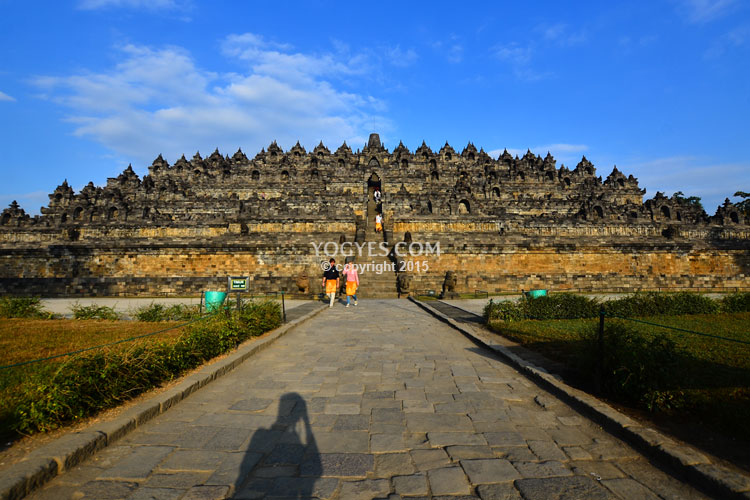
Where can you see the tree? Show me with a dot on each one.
(693, 201)
(743, 205)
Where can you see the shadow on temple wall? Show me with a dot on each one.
(282, 460)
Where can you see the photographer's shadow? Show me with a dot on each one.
(283, 460)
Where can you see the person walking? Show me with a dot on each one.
(331, 280)
(352, 282)
(378, 223)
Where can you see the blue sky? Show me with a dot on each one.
(659, 88)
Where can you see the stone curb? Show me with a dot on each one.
(50, 460)
(684, 459)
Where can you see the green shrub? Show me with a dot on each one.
(94, 312)
(560, 306)
(22, 307)
(83, 385)
(656, 303)
(736, 302)
(159, 312)
(504, 310)
(635, 368)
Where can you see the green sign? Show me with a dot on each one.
(238, 284)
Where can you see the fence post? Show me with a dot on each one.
(599, 352)
(283, 307)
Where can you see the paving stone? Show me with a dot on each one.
(381, 428)
(426, 422)
(393, 464)
(547, 450)
(628, 488)
(343, 442)
(387, 416)
(489, 470)
(549, 468)
(441, 439)
(342, 409)
(562, 488)
(569, 436)
(610, 450)
(303, 487)
(454, 497)
(535, 433)
(264, 440)
(429, 459)
(504, 439)
(416, 440)
(183, 480)
(234, 468)
(577, 453)
(364, 490)
(206, 493)
(381, 443)
(597, 470)
(204, 460)
(138, 464)
(338, 465)
(106, 490)
(252, 404)
(467, 452)
(378, 394)
(499, 491)
(448, 481)
(415, 484)
(352, 423)
(228, 441)
(274, 471)
(573, 421)
(146, 493)
(411, 406)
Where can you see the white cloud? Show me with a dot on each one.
(159, 101)
(733, 39)
(513, 53)
(401, 58)
(451, 48)
(519, 58)
(5, 97)
(703, 11)
(561, 34)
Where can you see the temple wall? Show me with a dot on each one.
(500, 267)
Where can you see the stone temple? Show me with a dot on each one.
(501, 224)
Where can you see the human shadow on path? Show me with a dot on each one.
(280, 461)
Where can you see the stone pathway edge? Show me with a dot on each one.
(54, 458)
(682, 459)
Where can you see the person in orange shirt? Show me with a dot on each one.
(352, 282)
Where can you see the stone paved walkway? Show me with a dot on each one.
(375, 401)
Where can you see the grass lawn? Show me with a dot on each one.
(708, 386)
(27, 339)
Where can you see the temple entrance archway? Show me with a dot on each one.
(373, 183)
